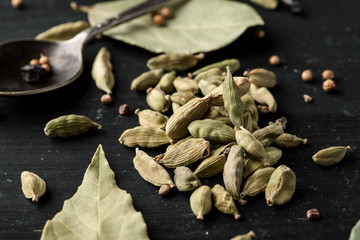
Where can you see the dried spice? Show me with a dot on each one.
(223, 201)
(248, 236)
(206, 87)
(274, 60)
(233, 64)
(69, 125)
(355, 232)
(268, 134)
(185, 179)
(166, 82)
(200, 201)
(262, 77)
(307, 98)
(233, 171)
(217, 93)
(329, 85)
(144, 136)
(205, 75)
(63, 31)
(263, 96)
(32, 185)
(151, 118)
(185, 84)
(267, 4)
(101, 71)
(174, 62)
(146, 80)
(330, 156)
(257, 182)
(289, 140)
(181, 97)
(157, 100)
(307, 75)
(312, 214)
(327, 74)
(124, 109)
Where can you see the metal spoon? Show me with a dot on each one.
(65, 56)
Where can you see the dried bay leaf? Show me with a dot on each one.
(98, 210)
(197, 25)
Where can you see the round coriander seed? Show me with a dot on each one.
(34, 62)
(43, 59)
(166, 12)
(327, 74)
(259, 33)
(106, 99)
(16, 3)
(47, 67)
(329, 85)
(158, 20)
(274, 60)
(307, 75)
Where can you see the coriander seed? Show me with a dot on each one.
(43, 59)
(158, 20)
(106, 99)
(34, 62)
(166, 12)
(245, 73)
(274, 60)
(259, 33)
(124, 109)
(307, 75)
(46, 67)
(327, 74)
(307, 98)
(16, 3)
(329, 85)
(312, 213)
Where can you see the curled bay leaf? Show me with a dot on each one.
(98, 210)
(197, 25)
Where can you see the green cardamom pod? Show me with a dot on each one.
(175, 107)
(174, 62)
(69, 125)
(248, 121)
(330, 156)
(212, 113)
(101, 71)
(207, 74)
(257, 182)
(214, 163)
(263, 96)
(251, 145)
(232, 100)
(288, 140)
(151, 118)
(223, 201)
(185, 153)
(144, 136)
(233, 171)
(268, 134)
(176, 127)
(281, 186)
(32, 185)
(185, 84)
(151, 171)
(182, 97)
(146, 80)
(248, 236)
(212, 130)
(225, 120)
(200, 201)
(206, 86)
(63, 31)
(267, 4)
(249, 105)
(157, 100)
(234, 65)
(262, 77)
(166, 82)
(185, 180)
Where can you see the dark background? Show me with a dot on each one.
(326, 36)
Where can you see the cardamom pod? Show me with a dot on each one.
(257, 182)
(248, 121)
(32, 185)
(330, 156)
(63, 31)
(268, 134)
(101, 71)
(186, 153)
(212, 113)
(233, 171)
(263, 96)
(288, 140)
(212, 130)
(174, 62)
(248, 236)
(234, 65)
(69, 125)
(206, 86)
(200, 201)
(176, 127)
(251, 145)
(267, 4)
(223, 201)
(225, 120)
(157, 100)
(281, 186)
(148, 117)
(166, 82)
(207, 74)
(174, 145)
(214, 163)
(182, 97)
(249, 105)
(185, 84)
(151, 171)
(144, 136)
(280, 121)
(146, 80)
(232, 100)
(185, 180)
(175, 107)
(262, 77)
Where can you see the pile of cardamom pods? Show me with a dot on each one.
(213, 130)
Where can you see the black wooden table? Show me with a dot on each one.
(326, 36)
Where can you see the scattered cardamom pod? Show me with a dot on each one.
(166, 82)
(185, 153)
(157, 100)
(151, 171)
(223, 201)
(268, 134)
(182, 97)
(233, 171)
(234, 65)
(251, 145)
(206, 86)
(232, 100)
(175, 107)
(288, 140)
(330, 156)
(185, 84)
(148, 117)
(257, 182)
(212, 130)
(281, 122)
(63, 31)
(281, 186)
(174, 62)
(249, 105)
(208, 73)
(32, 185)
(146, 80)
(262, 77)
(101, 71)
(69, 125)
(185, 180)
(144, 136)
(248, 236)
(263, 96)
(200, 201)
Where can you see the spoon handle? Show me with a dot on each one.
(141, 9)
